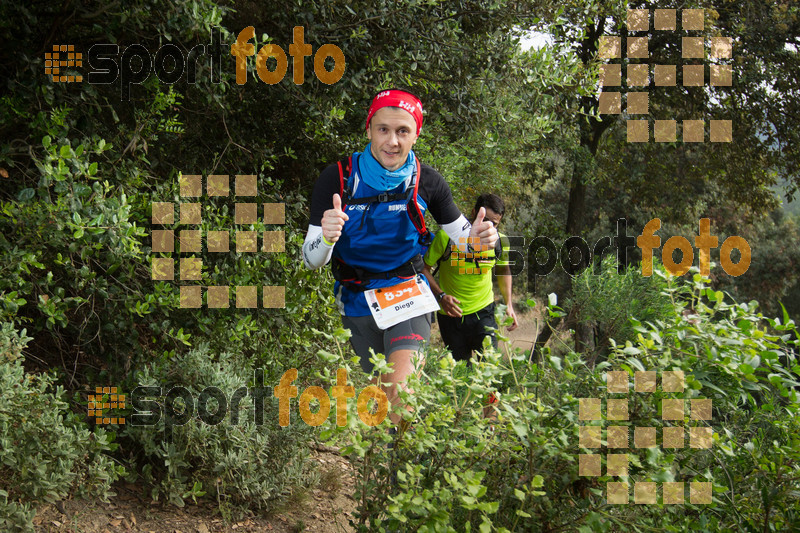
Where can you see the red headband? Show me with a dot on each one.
(397, 98)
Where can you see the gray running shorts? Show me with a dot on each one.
(407, 335)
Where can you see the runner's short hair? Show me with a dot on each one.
(491, 201)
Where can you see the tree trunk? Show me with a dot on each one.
(590, 134)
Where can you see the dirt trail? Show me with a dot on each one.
(525, 334)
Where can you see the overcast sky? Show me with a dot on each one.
(535, 39)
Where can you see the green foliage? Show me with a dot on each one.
(681, 176)
(609, 299)
(457, 470)
(59, 237)
(47, 453)
(80, 168)
(501, 153)
(84, 257)
(774, 262)
(240, 462)
(602, 177)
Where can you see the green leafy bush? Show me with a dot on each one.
(70, 245)
(76, 271)
(609, 299)
(459, 471)
(47, 453)
(241, 464)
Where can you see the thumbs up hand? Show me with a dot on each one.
(484, 230)
(333, 220)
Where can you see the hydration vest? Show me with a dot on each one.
(412, 207)
(354, 277)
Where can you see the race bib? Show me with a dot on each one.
(392, 305)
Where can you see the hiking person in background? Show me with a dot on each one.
(367, 219)
(465, 289)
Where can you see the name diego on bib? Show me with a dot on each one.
(392, 305)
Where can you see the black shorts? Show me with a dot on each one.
(464, 334)
(407, 335)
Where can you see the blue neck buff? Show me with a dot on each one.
(377, 177)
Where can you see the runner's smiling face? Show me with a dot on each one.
(392, 132)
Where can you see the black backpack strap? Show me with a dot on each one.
(383, 197)
(355, 278)
(448, 250)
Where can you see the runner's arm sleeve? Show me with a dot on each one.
(316, 252)
(458, 230)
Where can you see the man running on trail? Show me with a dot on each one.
(367, 218)
(465, 290)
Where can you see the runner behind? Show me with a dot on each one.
(465, 289)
